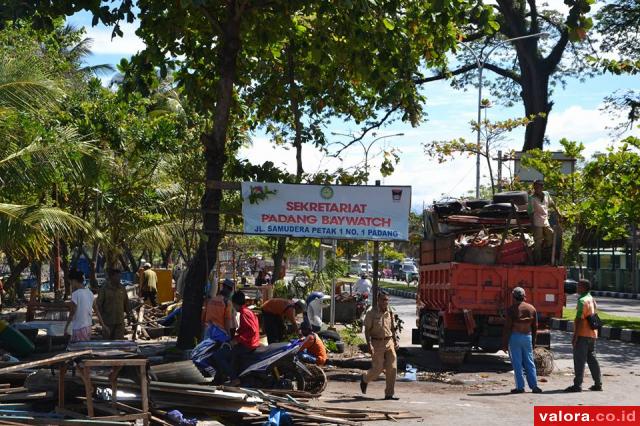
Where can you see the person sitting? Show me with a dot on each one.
(245, 341)
(218, 310)
(274, 313)
(363, 285)
(313, 344)
(260, 280)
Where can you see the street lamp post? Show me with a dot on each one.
(366, 148)
(480, 62)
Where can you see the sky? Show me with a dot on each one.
(576, 115)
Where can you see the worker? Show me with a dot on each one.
(381, 340)
(313, 344)
(218, 310)
(585, 334)
(149, 285)
(538, 209)
(519, 333)
(229, 359)
(363, 285)
(274, 313)
(313, 315)
(113, 304)
(81, 307)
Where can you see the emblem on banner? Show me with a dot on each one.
(396, 194)
(256, 190)
(326, 192)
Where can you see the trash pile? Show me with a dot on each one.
(108, 383)
(478, 231)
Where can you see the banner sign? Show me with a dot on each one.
(327, 211)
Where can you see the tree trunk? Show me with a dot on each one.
(278, 256)
(14, 277)
(135, 265)
(535, 94)
(214, 143)
(166, 256)
(64, 254)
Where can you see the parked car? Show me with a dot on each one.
(570, 286)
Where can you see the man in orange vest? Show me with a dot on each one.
(275, 311)
(313, 344)
(219, 310)
(584, 340)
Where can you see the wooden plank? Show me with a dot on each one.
(48, 361)
(130, 362)
(26, 396)
(13, 390)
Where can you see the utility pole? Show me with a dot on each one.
(376, 266)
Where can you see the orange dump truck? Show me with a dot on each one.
(461, 306)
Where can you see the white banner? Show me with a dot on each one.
(327, 211)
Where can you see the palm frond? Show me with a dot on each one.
(25, 86)
(28, 230)
(159, 236)
(100, 69)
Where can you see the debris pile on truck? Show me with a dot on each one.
(472, 256)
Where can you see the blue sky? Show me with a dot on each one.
(576, 115)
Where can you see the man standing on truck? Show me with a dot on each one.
(518, 337)
(584, 340)
(538, 209)
(381, 339)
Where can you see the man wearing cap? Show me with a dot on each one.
(520, 329)
(538, 209)
(380, 337)
(274, 313)
(149, 285)
(218, 310)
(113, 303)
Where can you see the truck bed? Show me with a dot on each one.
(486, 289)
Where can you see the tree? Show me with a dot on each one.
(493, 133)
(538, 65)
(236, 35)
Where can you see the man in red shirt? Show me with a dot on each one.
(246, 339)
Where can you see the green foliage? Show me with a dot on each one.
(350, 334)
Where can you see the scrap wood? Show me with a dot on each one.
(48, 361)
(26, 396)
(12, 390)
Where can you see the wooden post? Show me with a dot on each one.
(144, 391)
(62, 371)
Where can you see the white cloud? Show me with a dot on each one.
(126, 45)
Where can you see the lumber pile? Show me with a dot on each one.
(147, 326)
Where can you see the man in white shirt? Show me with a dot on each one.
(538, 209)
(363, 285)
(82, 303)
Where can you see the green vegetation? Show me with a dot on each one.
(632, 323)
(351, 335)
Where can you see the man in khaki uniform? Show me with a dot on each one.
(378, 332)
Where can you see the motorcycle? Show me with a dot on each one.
(276, 366)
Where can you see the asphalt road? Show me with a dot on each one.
(478, 392)
(613, 306)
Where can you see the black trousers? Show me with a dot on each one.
(151, 296)
(273, 327)
(585, 352)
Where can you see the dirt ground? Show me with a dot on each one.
(478, 392)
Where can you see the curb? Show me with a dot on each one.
(615, 294)
(609, 333)
(399, 293)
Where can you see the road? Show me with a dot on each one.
(613, 306)
(478, 392)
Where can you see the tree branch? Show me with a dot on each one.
(535, 27)
(504, 73)
(444, 75)
(213, 21)
(552, 61)
(373, 126)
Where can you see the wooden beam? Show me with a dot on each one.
(48, 361)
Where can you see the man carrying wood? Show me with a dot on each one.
(113, 303)
(380, 337)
